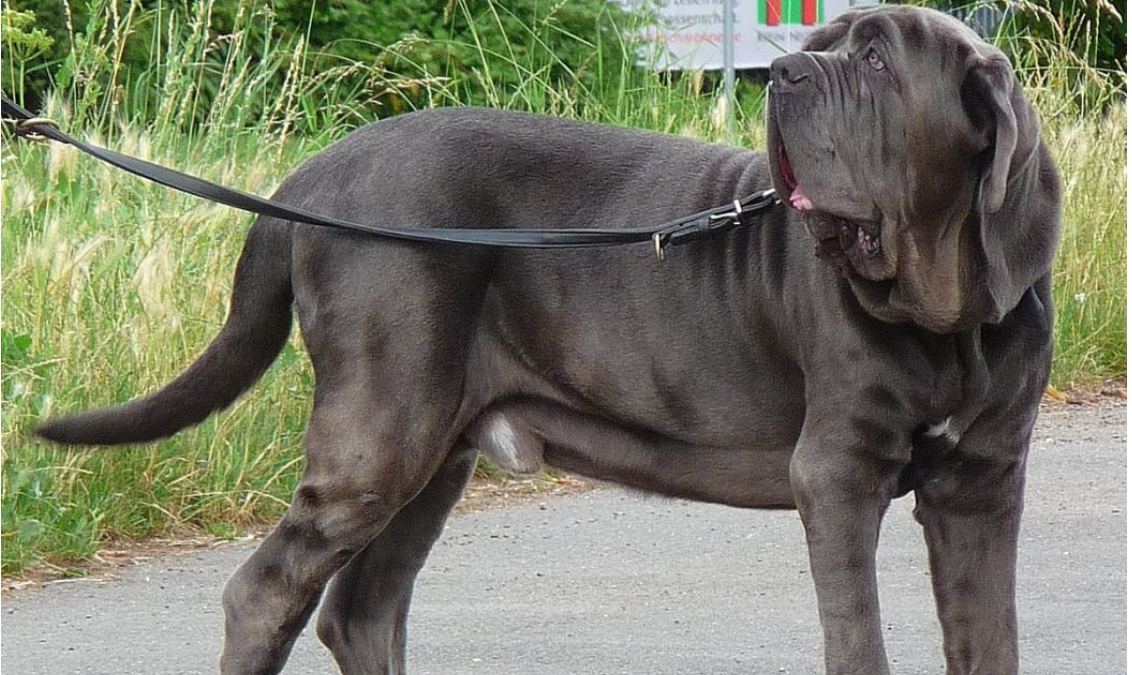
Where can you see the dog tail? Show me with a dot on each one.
(257, 327)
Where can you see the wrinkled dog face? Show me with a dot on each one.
(886, 134)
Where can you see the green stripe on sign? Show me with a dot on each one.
(792, 12)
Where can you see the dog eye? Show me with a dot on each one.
(874, 60)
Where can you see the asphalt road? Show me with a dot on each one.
(605, 582)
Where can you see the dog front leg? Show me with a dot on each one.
(842, 492)
(970, 509)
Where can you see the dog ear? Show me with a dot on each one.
(1015, 237)
(995, 102)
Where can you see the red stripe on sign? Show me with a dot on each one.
(773, 12)
(809, 12)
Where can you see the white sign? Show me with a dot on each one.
(688, 34)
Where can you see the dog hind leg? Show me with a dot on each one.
(365, 461)
(363, 616)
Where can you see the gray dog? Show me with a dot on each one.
(908, 355)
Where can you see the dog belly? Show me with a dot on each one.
(523, 436)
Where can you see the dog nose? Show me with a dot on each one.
(790, 72)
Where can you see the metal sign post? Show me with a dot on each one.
(729, 68)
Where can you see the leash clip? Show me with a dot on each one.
(728, 217)
(704, 225)
(29, 128)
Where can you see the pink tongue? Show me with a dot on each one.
(800, 201)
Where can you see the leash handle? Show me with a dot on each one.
(683, 230)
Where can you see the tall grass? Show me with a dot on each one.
(1085, 117)
(1091, 271)
(110, 285)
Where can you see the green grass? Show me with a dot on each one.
(111, 285)
(1085, 119)
(1090, 279)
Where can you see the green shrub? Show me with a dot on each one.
(1085, 41)
(386, 57)
(1094, 31)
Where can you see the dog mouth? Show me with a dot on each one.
(842, 240)
(797, 197)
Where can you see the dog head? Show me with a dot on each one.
(909, 149)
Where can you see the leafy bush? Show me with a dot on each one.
(1091, 33)
(28, 49)
(387, 56)
(1094, 30)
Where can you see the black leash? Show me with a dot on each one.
(741, 212)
